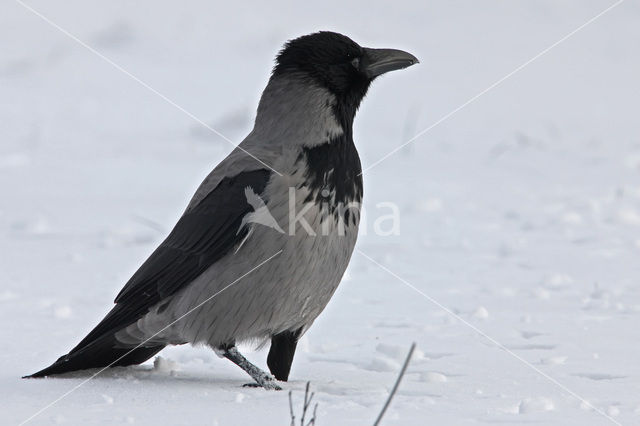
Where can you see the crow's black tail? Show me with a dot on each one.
(103, 352)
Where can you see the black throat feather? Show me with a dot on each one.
(333, 170)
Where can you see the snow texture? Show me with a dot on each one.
(520, 213)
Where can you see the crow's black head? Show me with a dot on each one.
(339, 64)
(330, 59)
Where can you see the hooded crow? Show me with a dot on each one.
(292, 188)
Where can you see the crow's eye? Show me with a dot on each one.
(355, 62)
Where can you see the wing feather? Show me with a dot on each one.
(204, 234)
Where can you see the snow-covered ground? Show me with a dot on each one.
(520, 213)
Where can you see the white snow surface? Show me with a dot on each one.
(520, 213)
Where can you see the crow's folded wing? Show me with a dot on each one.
(204, 234)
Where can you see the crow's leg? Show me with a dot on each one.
(262, 378)
(283, 347)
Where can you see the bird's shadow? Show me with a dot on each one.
(144, 373)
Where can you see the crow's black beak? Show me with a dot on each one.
(379, 61)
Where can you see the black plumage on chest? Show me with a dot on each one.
(332, 172)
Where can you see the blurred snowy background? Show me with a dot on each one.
(520, 213)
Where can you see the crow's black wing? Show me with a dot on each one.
(202, 236)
